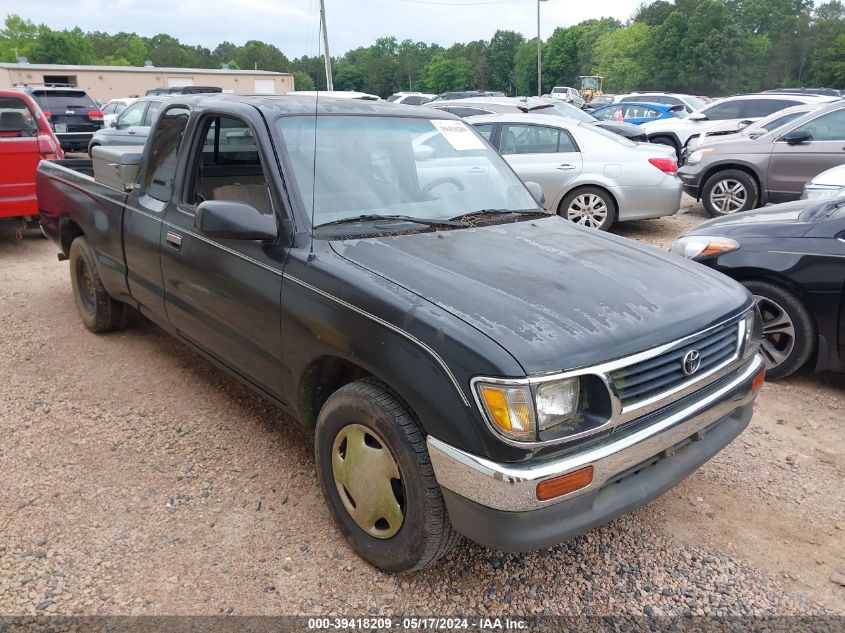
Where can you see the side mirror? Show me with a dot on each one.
(743, 124)
(113, 123)
(423, 152)
(697, 116)
(234, 221)
(536, 191)
(796, 137)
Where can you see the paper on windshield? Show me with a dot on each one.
(458, 134)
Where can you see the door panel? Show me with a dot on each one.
(224, 295)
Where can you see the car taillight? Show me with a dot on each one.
(48, 114)
(48, 148)
(667, 165)
(95, 115)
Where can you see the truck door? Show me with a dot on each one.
(224, 295)
(144, 215)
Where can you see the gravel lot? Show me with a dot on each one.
(139, 479)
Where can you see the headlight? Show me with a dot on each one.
(698, 155)
(820, 192)
(753, 332)
(700, 246)
(523, 413)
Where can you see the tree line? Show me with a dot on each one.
(713, 47)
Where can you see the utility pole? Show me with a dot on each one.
(326, 55)
(539, 53)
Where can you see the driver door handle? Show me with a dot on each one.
(174, 240)
(565, 167)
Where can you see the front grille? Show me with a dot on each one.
(665, 372)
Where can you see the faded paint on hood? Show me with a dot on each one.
(554, 295)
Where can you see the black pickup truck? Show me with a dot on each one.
(469, 364)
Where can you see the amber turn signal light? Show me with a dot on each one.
(564, 484)
(757, 383)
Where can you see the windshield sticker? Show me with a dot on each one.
(458, 135)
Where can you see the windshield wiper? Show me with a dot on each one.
(375, 217)
(470, 214)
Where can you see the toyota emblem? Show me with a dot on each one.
(691, 362)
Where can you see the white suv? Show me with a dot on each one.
(677, 132)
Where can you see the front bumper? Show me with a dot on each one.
(690, 175)
(496, 504)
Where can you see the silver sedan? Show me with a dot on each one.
(588, 175)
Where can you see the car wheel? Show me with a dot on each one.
(377, 478)
(789, 331)
(729, 191)
(665, 140)
(99, 312)
(589, 206)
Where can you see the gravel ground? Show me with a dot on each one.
(139, 479)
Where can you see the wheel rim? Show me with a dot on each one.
(368, 481)
(728, 195)
(86, 285)
(588, 209)
(778, 332)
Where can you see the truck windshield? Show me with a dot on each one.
(396, 166)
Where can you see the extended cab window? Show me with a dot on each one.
(164, 152)
(229, 166)
(15, 118)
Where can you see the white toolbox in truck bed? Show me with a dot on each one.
(116, 165)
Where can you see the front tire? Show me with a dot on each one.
(98, 311)
(589, 206)
(789, 331)
(730, 191)
(377, 478)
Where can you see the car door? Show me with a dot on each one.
(129, 122)
(792, 165)
(223, 295)
(19, 158)
(542, 154)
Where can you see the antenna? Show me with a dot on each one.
(311, 255)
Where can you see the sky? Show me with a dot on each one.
(292, 25)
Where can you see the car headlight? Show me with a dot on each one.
(523, 412)
(820, 192)
(701, 246)
(697, 156)
(752, 333)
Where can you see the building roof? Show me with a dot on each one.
(137, 69)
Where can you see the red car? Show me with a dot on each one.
(25, 139)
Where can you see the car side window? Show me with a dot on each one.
(164, 153)
(413, 100)
(133, 115)
(827, 127)
(608, 114)
(15, 118)
(485, 129)
(152, 111)
(229, 166)
(529, 139)
(758, 108)
(723, 111)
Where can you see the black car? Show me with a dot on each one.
(792, 258)
(72, 113)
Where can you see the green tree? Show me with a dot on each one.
(166, 51)
(61, 47)
(301, 81)
(525, 67)
(620, 56)
(827, 26)
(255, 55)
(443, 74)
(500, 60)
(17, 38)
(655, 13)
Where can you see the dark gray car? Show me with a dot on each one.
(736, 175)
(132, 126)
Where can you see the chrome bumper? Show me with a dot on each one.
(512, 487)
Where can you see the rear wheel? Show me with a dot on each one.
(377, 478)
(789, 332)
(729, 191)
(99, 312)
(589, 206)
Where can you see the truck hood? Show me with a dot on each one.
(553, 295)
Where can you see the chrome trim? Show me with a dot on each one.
(437, 358)
(619, 414)
(512, 487)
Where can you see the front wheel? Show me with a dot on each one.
(590, 207)
(377, 478)
(728, 192)
(789, 331)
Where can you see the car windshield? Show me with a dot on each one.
(613, 136)
(695, 103)
(567, 110)
(63, 99)
(389, 166)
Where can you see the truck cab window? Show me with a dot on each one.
(229, 166)
(164, 151)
